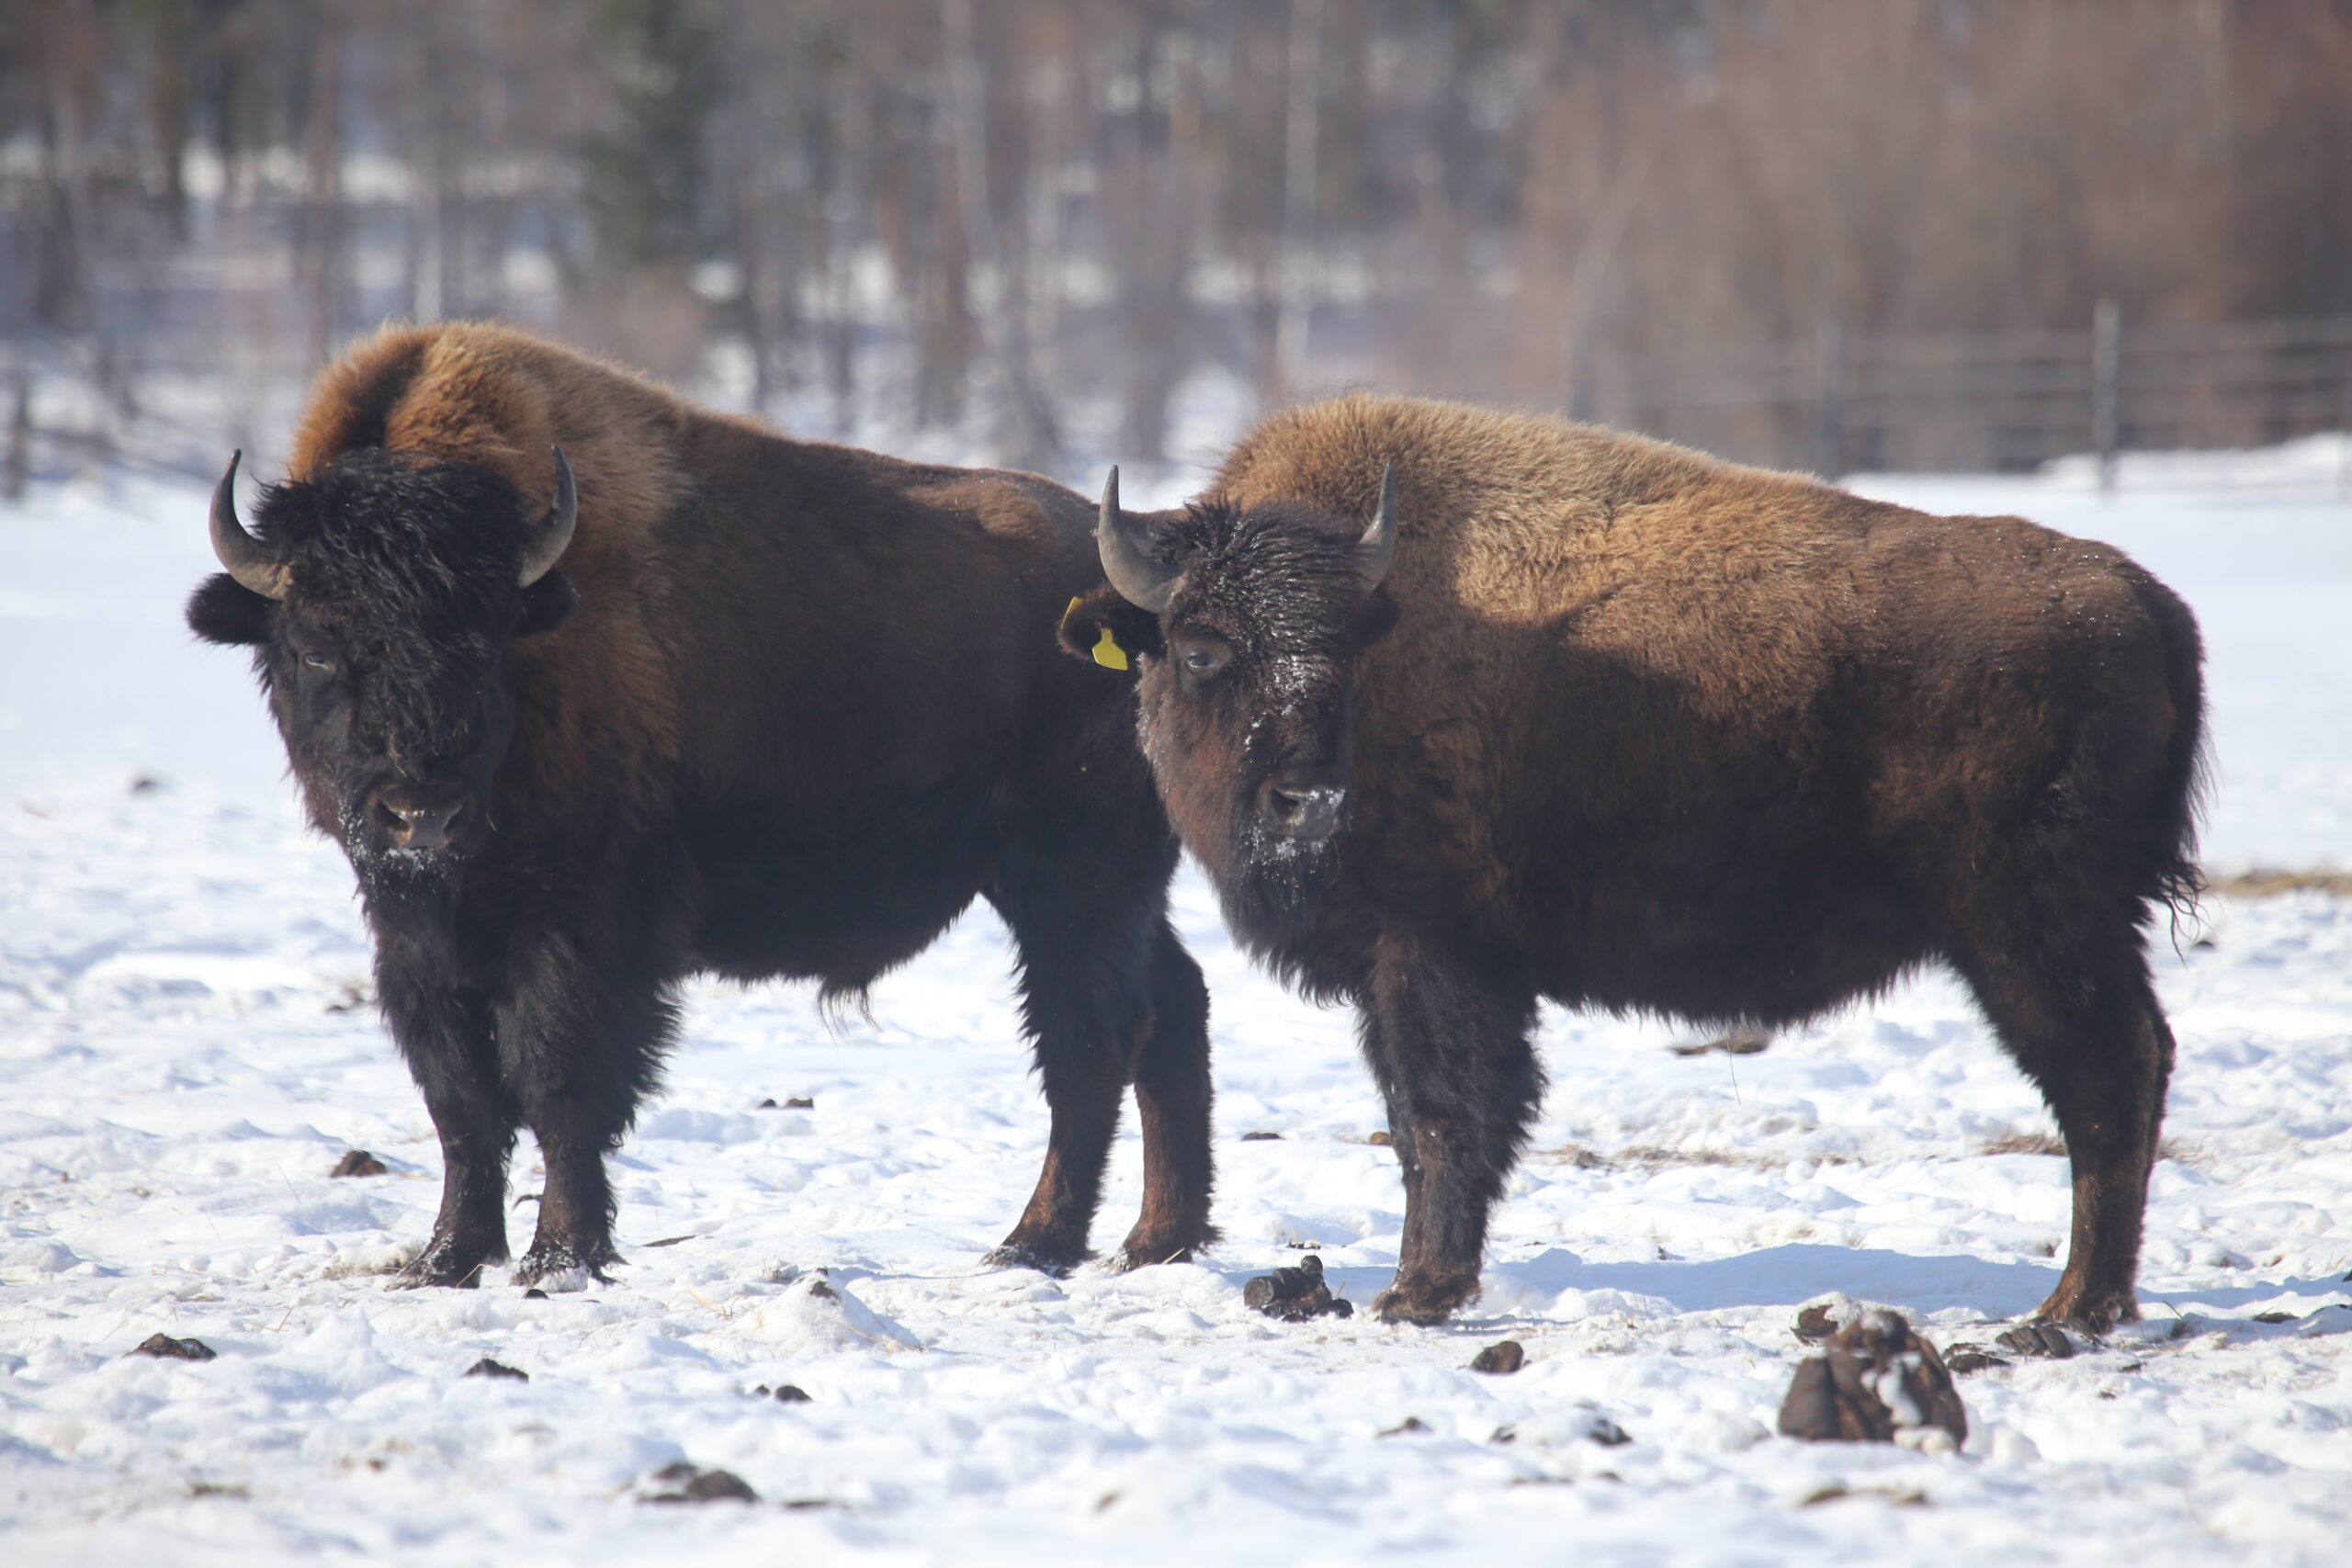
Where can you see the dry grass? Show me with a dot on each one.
(2269, 882)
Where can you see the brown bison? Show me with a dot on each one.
(597, 690)
(1561, 713)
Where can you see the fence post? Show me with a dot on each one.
(2106, 387)
(1829, 399)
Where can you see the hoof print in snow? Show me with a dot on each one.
(1500, 1359)
(1879, 1384)
(2043, 1341)
(163, 1348)
(1962, 1359)
(486, 1368)
(358, 1162)
(1262, 1138)
(691, 1484)
(783, 1393)
(1406, 1427)
(1295, 1294)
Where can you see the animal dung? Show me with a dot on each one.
(1961, 1359)
(685, 1483)
(797, 1102)
(1262, 1138)
(1880, 1382)
(784, 1393)
(1501, 1359)
(535, 1294)
(2044, 1341)
(358, 1162)
(1380, 1140)
(1821, 1318)
(1295, 1294)
(163, 1348)
(486, 1368)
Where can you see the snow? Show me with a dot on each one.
(182, 1063)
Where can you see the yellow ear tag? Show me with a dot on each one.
(1108, 653)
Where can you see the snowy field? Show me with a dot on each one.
(183, 1058)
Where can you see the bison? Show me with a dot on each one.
(597, 690)
(1460, 710)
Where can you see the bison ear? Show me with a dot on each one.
(547, 603)
(225, 611)
(1103, 627)
(1379, 618)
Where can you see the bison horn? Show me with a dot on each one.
(1379, 541)
(240, 553)
(553, 535)
(1146, 583)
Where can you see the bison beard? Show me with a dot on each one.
(1658, 733)
(740, 706)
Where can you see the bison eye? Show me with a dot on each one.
(1204, 662)
(318, 661)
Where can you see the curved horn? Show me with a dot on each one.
(1379, 542)
(240, 552)
(1142, 581)
(553, 535)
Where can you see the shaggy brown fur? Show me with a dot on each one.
(1657, 732)
(807, 708)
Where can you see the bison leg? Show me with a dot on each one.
(581, 1046)
(446, 1040)
(1172, 1098)
(1086, 955)
(1447, 1039)
(2081, 1019)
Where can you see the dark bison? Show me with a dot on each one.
(597, 689)
(1621, 726)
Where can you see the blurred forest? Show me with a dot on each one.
(1058, 231)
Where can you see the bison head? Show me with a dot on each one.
(379, 595)
(1244, 624)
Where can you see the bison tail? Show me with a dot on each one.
(2181, 793)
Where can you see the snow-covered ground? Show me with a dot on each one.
(182, 1064)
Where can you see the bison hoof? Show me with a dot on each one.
(1425, 1301)
(448, 1265)
(560, 1269)
(1144, 1252)
(1056, 1261)
(2090, 1316)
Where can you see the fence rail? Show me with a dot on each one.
(1996, 401)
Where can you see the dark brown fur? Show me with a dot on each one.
(1655, 732)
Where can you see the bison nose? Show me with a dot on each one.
(422, 827)
(415, 819)
(1308, 801)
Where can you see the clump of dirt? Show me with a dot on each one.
(1501, 1359)
(163, 1348)
(486, 1368)
(684, 1483)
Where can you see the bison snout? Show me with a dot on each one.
(411, 822)
(1307, 804)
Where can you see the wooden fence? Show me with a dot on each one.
(1993, 401)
